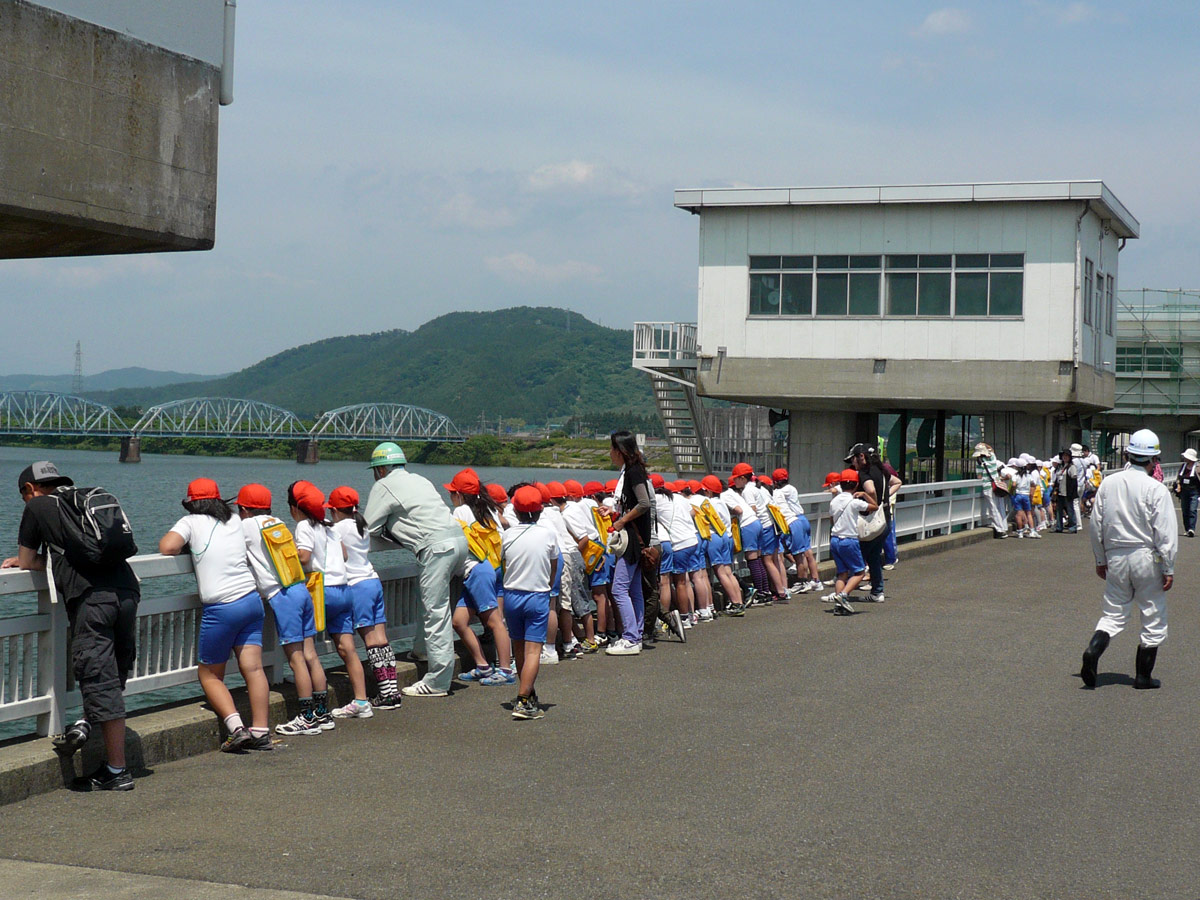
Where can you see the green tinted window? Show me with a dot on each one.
(934, 261)
(797, 262)
(831, 295)
(902, 261)
(971, 294)
(764, 262)
(864, 295)
(1006, 294)
(1008, 260)
(864, 262)
(832, 262)
(797, 294)
(933, 294)
(971, 261)
(764, 295)
(901, 294)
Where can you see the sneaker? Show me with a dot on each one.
(575, 651)
(589, 645)
(500, 676)
(623, 647)
(784, 599)
(527, 709)
(705, 615)
(735, 612)
(677, 625)
(299, 725)
(662, 631)
(421, 689)
(476, 674)
(875, 598)
(800, 587)
(887, 567)
(236, 740)
(549, 656)
(72, 739)
(389, 702)
(829, 598)
(1034, 534)
(764, 600)
(260, 742)
(687, 621)
(1191, 532)
(354, 710)
(104, 780)
(841, 606)
(325, 722)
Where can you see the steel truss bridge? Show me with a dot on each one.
(48, 413)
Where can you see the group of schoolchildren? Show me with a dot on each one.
(1037, 495)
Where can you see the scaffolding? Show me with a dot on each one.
(1158, 353)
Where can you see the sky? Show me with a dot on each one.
(387, 162)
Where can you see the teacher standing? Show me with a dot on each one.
(633, 495)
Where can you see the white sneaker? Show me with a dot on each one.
(622, 647)
(353, 710)
(421, 689)
(706, 615)
(549, 656)
(889, 566)
(1034, 534)
(829, 598)
(815, 585)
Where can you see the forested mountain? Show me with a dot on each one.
(528, 364)
(113, 379)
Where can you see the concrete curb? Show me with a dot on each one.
(927, 547)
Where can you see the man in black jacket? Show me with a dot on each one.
(102, 609)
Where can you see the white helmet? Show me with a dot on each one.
(1143, 445)
(1013, 463)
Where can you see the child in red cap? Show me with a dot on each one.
(844, 509)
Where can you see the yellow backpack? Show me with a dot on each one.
(1096, 477)
(702, 525)
(281, 551)
(483, 541)
(715, 522)
(1035, 495)
(735, 528)
(781, 524)
(600, 517)
(316, 590)
(593, 556)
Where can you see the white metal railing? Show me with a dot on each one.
(35, 670)
(673, 343)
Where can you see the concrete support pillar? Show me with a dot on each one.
(1012, 434)
(306, 453)
(131, 449)
(817, 442)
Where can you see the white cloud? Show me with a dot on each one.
(1065, 14)
(85, 275)
(523, 267)
(552, 175)
(944, 21)
(463, 211)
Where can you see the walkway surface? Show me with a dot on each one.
(937, 745)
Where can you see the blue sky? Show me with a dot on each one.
(385, 162)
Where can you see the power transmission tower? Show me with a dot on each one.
(77, 383)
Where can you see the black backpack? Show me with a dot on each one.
(95, 528)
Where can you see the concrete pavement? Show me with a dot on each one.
(937, 745)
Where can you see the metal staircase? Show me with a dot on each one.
(667, 352)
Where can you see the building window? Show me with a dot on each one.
(926, 285)
(1088, 269)
(1149, 359)
(1110, 302)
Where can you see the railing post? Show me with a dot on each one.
(52, 659)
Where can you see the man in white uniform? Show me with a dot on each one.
(1134, 538)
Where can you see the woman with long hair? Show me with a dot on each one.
(633, 496)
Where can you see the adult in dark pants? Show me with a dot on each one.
(634, 499)
(879, 486)
(102, 609)
(1187, 489)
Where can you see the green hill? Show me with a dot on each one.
(529, 364)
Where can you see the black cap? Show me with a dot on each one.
(45, 473)
(854, 451)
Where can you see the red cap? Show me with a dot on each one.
(254, 496)
(543, 491)
(712, 483)
(558, 490)
(527, 499)
(670, 486)
(497, 493)
(610, 486)
(465, 482)
(574, 489)
(309, 499)
(742, 469)
(657, 480)
(832, 478)
(763, 479)
(780, 475)
(592, 488)
(203, 489)
(696, 487)
(342, 498)
(731, 481)
(850, 475)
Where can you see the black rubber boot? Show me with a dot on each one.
(1091, 656)
(1145, 665)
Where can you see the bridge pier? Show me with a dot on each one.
(306, 453)
(131, 449)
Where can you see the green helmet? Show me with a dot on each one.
(387, 454)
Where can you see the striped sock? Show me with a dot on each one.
(758, 571)
(383, 661)
(320, 700)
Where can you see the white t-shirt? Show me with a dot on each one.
(530, 553)
(734, 500)
(718, 504)
(787, 498)
(1025, 482)
(683, 527)
(552, 518)
(665, 512)
(845, 509)
(357, 547)
(219, 557)
(261, 567)
(579, 519)
(758, 499)
(510, 514)
(326, 551)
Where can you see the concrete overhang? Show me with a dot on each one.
(1102, 200)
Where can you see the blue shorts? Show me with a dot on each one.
(604, 572)
(750, 536)
(686, 559)
(224, 626)
(768, 540)
(801, 537)
(526, 614)
(666, 565)
(847, 555)
(479, 589)
(339, 609)
(556, 587)
(366, 599)
(720, 550)
(1022, 502)
(293, 609)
